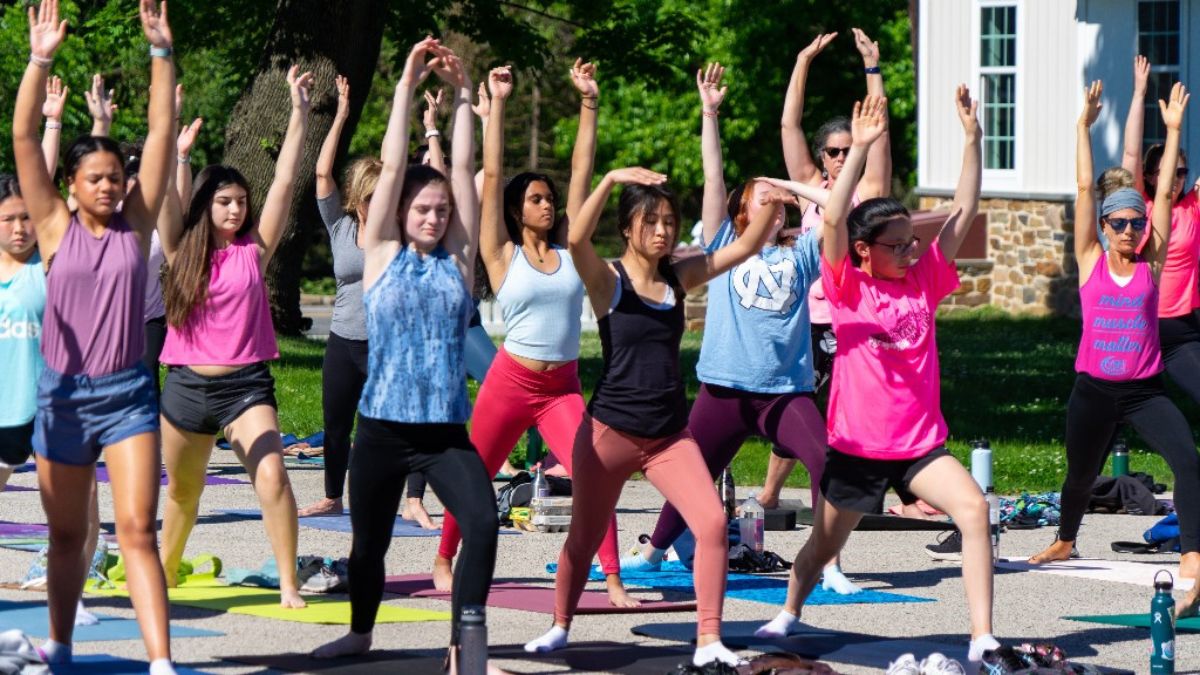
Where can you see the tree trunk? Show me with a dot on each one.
(327, 38)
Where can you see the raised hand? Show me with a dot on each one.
(422, 58)
(708, 81)
(343, 94)
(583, 76)
(1141, 74)
(56, 99)
(869, 120)
(187, 137)
(1172, 111)
(500, 82)
(433, 105)
(484, 107)
(300, 86)
(1092, 103)
(815, 47)
(780, 197)
(99, 101)
(967, 111)
(449, 68)
(866, 47)
(46, 32)
(155, 25)
(636, 175)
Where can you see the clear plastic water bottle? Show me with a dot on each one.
(472, 641)
(981, 463)
(752, 524)
(1162, 626)
(994, 521)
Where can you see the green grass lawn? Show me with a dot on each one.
(1004, 378)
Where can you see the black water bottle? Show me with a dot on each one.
(472, 641)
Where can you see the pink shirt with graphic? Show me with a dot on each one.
(1120, 325)
(1179, 284)
(885, 401)
(814, 216)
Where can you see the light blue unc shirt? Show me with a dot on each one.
(756, 327)
(22, 303)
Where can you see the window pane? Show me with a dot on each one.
(1158, 31)
(999, 120)
(998, 41)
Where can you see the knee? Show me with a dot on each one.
(271, 478)
(68, 539)
(185, 490)
(477, 526)
(971, 514)
(709, 528)
(137, 532)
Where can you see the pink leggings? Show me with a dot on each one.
(674, 466)
(511, 399)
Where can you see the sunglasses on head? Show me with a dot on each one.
(1119, 224)
(834, 153)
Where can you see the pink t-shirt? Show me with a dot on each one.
(814, 216)
(1120, 326)
(233, 327)
(1179, 285)
(886, 400)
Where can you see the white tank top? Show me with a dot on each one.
(542, 311)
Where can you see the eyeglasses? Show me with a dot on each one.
(901, 247)
(834, 153)
(1119, 224)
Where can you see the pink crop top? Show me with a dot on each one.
(1120, 326)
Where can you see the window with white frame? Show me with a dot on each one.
(1158, 41)
(998, 79)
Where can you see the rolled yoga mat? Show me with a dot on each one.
(1189, 625)
(509, 595)
(34, 620)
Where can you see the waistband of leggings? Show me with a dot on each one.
(124, 376)
(1152, 383)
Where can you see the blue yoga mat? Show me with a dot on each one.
(103, 664)
(771, 590)
(34, 620)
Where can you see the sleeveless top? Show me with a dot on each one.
(819, 310)
(22, 303)
(232, 327)
(640, 391)
(542, 311)
(1120, 325)
(95, 297)
(1179, 283)
(417, 315)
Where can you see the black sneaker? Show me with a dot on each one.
(948, 548)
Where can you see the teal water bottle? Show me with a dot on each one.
(1162, 626)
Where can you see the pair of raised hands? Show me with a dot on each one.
(867, 48)
(583, 76)
(47, 32)
(1172, 109)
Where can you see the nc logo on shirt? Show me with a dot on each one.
(769, 287)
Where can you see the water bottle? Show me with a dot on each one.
(1120, 460)
(472, 641)
(981, 463)
(728, 494)
(1162, 626)
(752, 524)
(994, 522)
(541, 487)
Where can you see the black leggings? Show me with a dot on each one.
(156, 336)
(384, 453)
(1180, 339)
(1093, 413)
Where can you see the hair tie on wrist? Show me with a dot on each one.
(53, 124)
(160, 52)
(40, 61)
(872, 70)
(430, 133)
(709, 113)
(183, 159)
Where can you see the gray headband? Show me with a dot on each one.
(1124, 198)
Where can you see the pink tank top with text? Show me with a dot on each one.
(1120, 325)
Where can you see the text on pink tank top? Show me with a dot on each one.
(1120, 325)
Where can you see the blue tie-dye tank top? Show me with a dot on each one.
(417, 315)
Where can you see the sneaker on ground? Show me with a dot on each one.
(939, 664)
(948, 548)
(905, 665)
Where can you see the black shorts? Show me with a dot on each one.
(206, 405)
(16, 444)
(859, 484)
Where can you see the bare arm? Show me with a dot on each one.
(1173, 115)
(326, 183)
(877, 177)
(52, 111)
(170, 219)
(437, 158)
(966, 195)
(462, 236)
(583, 155)
(1087, 241)
(495, 246)
(100, 106)
(1135, 123)
(866, 125)
(712, 210)
(806, 191)
(183, 160)
(697, 270)
(482, 109)
(277, 206)
(799, 161)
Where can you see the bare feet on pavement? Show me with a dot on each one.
(443, 573)
(617, 596)
(323, 507)
(414, 509)
(1059, 550)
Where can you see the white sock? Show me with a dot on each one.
(350, 644)
(162, 667)
(834, 580)
(981, 644)
(777, 627)
(55, 652)
(553, 640)
(715, 651)
(84, 617)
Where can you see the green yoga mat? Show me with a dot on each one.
(214, 595)
(1189, 625)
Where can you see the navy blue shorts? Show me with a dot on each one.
(79, 415)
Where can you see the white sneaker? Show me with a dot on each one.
(905, 665)
(938, 664)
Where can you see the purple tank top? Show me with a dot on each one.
(1120, 325)
(95, 294)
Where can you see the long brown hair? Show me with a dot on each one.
(185, 285)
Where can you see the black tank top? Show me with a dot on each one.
(640, 391)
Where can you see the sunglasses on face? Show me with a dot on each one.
(1119, 224)
(834, 153)
(899, 248)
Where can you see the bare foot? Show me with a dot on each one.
(443, 574)
(1059, 550)
(415, 510)
(1190, 605)
(768, 502)
(557, 470)
(913, 511)
(509, 469)
(1189, 565)
(350, 644)
(323, 507)
(291, 599)
(617, 596)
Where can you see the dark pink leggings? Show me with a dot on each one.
(673, 465)
(511, 399)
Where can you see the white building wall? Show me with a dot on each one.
(945, 55)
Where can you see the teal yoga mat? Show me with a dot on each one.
(771, 590)
(1189, 625)
(103, 664)
(34, 620)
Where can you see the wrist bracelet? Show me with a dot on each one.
(39, 61)
(872, 70)
(430, 133)
(160, 52)
(53, 124)
(709, 113)
(183, 159)
(595, 104)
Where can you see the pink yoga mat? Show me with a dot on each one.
(510, 595)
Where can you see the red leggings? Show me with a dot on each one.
(675, 467)
(511, 399)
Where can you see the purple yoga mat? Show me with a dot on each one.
(18, 488)
(102, 476)
(509, 595)
(10, 529)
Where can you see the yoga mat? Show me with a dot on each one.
(880, 522)
(103, 664)
(261, 602)
(34, 620)
(23, 530)
(18, 488)
(209, 479)
(401, 528)
(509, 595)
(771, 590)
(603, 656)
(374, 661)
(1122, 571)
(1189, 625)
